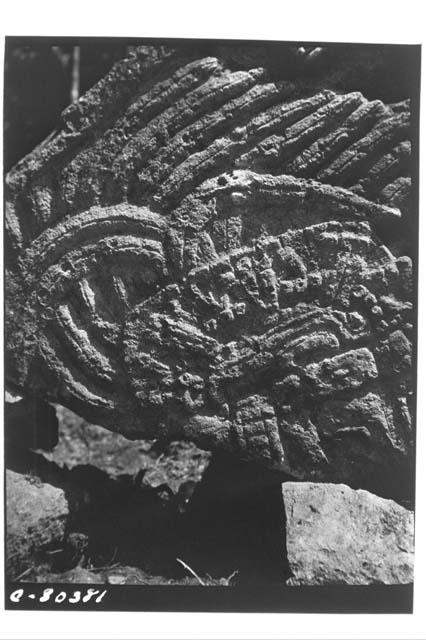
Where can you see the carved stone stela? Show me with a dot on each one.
(207, 254)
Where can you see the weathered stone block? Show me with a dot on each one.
(337, 535)
(36, 515)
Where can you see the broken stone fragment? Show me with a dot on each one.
(335, 535)
(37, 514)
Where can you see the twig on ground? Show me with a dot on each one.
(24, 573)
(229, 578)
(191, 571)
(104, 568)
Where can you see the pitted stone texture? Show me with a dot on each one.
(336, 535)
(204, 254)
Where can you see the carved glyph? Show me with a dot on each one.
(206, 254)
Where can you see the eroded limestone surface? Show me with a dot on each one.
(207, 254)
